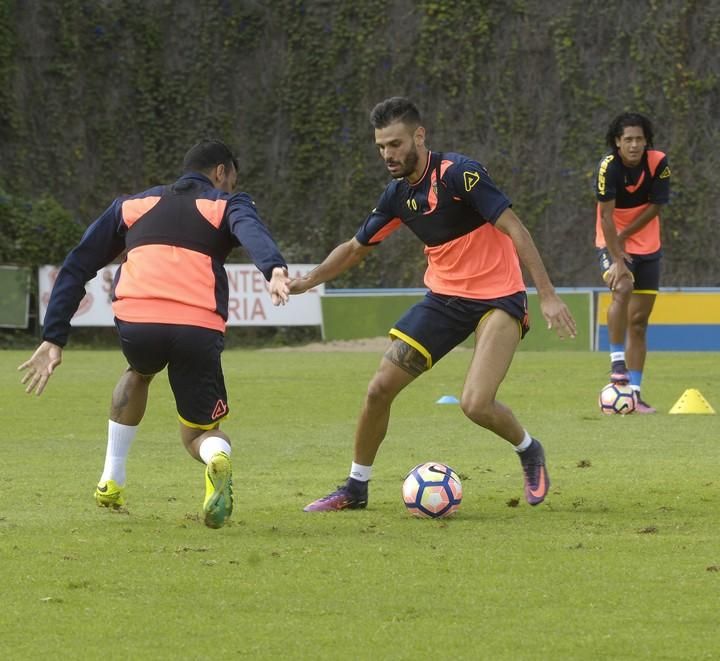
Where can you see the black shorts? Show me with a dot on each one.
(192, 356)
(645, 270)
(438, 323)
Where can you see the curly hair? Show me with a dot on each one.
(622, 121)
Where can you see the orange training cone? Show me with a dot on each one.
(692, 401)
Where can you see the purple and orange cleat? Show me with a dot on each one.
(535, 475)
(643, 407)
(345, 497)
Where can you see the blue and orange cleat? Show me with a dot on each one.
(535, 475)
(353, 495)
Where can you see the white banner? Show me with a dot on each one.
(249, 303)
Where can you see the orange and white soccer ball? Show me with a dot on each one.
(432, 490)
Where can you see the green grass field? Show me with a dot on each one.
(622, 561)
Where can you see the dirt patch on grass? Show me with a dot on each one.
(372, 344)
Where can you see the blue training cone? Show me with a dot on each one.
(448, 399)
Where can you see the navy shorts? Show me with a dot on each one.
(438, 323)
(192, 356)
(645, 269)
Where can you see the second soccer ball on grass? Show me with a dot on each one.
(617, 398)
(432, 490)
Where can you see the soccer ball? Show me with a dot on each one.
(617, 398)
(432, 490)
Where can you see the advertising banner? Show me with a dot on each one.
(249, 302)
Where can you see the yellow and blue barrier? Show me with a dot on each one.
(682, 320)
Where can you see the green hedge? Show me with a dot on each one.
(97, 99)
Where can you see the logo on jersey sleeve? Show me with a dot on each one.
(602, 172)
(665, 173)
(470, 179)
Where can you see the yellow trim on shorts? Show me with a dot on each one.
(645, 291)
(194, 425)
(394, 332)
(517, 321)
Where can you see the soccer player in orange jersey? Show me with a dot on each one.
(633, 182)
(170, 301)
(473, 240)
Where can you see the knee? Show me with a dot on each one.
(380, 392)
(137, 379)
(623, 289)
(477, 407)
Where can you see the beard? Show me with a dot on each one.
(408, 165)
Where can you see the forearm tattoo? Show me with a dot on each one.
(406, 358)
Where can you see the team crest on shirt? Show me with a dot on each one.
(470, 178)
(665, 173)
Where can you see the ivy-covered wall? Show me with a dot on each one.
(99, 98)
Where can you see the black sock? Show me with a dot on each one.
(356, 486)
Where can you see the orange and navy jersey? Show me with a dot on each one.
(176, 239)
(452, 210)
(633, 190)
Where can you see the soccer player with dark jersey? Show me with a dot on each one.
(473, 241)
(170, 301)
(633, 182)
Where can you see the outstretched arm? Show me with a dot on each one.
(340, 259)
(553, 309)
(40, 367)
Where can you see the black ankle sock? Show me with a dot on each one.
(356, 486)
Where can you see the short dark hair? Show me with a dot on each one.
(622, 121)
(394, 109)
(207, 154)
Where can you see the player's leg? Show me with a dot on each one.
(647, 283)
(196, 378)
(617, 321)
(399, 367)
(212, 448)
(142, 345)
(641, 306)
(127, 409)
(425, 333)
(496, 339)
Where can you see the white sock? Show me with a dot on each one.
(211, 446)
(524, 444)
(360, 473)
(120, 438)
